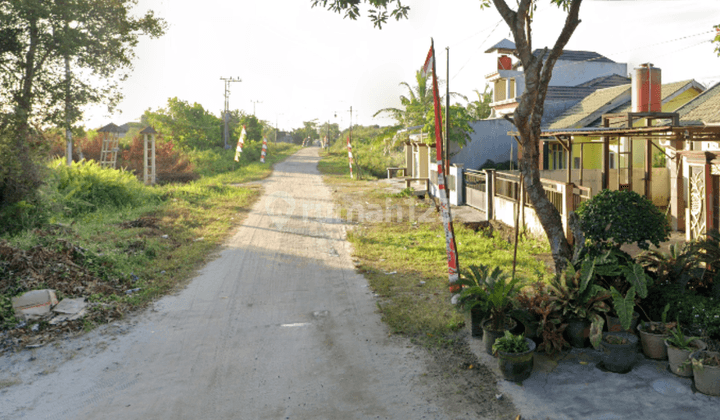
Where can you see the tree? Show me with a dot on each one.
(716, 40)
(98, 38)
(480, 109)
(188, 126)
(528, 115)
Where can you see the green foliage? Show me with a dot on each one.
(577, 297)
(613, 218)
(701, 313)
(496, 286)
(480, 109)
(678, 339)
(716, 40)
(188, 126)
(624, 306)
(85, 187)
(510, 343)
(100, 43)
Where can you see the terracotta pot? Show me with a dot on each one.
(578, 332)
(676, 358)
(619, 358)
(517, 367)
(613, 324)
(489, 336)
(707, 378)
(653, 345)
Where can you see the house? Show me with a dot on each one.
(576, 75)
(578, 159)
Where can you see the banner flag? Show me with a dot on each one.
(450, 247)
(240, 144)
(264, 151)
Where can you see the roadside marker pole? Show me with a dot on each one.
(450, 247)
(350, 157)
(264, 151)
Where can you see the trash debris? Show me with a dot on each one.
(165, 236)
(131, 291)
(455, 298)
(391, 273)
(69, 310)
(34, 304)
(35, 328)
(498, 396)
(422, 282)
(199, 239)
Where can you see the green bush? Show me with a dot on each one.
(613, 218)
(85, 187)
(692, 309)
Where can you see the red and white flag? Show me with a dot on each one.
(264, 151)
(240, 144)
(450, 247)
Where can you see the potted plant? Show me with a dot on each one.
(540, 313)
(679, 347)
(627, 282)
(515, 356)
(473, 298)
(619, 351)
(581, 302)
(653, 335)
(706, 371)
(499, 291)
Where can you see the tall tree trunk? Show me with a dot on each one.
(24, 101)
(528, 115)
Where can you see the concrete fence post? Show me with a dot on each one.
(490, 193)
(567, 206)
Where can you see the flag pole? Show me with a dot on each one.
(450, 246)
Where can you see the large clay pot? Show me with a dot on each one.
(489, 336)
(517, 367)
(578, 332)
(653, 345)
(619, 358)
(707, 378)
(476, 319)
(676, 358)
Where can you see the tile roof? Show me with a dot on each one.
(668, 90)
(606, 81)
(590, 105)
(703, 109)
(566, 93)
(569, 55)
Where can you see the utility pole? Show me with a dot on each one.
(446, 140)
(226, 112)
(255, 102)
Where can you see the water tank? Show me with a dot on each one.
(504, 63)
(646, 89)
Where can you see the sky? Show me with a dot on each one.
(298, 63)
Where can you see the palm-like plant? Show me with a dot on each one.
(495, 289)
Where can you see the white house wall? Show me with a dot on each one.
(573, 73)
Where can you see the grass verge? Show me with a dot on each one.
(121, 258)
(399, 246)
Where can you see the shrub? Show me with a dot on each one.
(21, 175)
(701, 313)
(613, 218)
(171, 164)
(86, 186)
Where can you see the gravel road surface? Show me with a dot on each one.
(279, 326)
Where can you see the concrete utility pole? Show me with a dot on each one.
(226, 112)
(255, 102)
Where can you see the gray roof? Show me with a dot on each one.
(566, 93)
(569, 55)
(606, 81)
(505, 44)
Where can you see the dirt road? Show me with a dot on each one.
(279, 326)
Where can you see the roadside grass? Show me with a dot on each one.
(399, 245)
(154, 247)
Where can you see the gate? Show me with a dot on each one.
(475, 189)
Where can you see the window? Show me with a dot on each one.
(557, 160)
(612, 160)
(576, 163)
